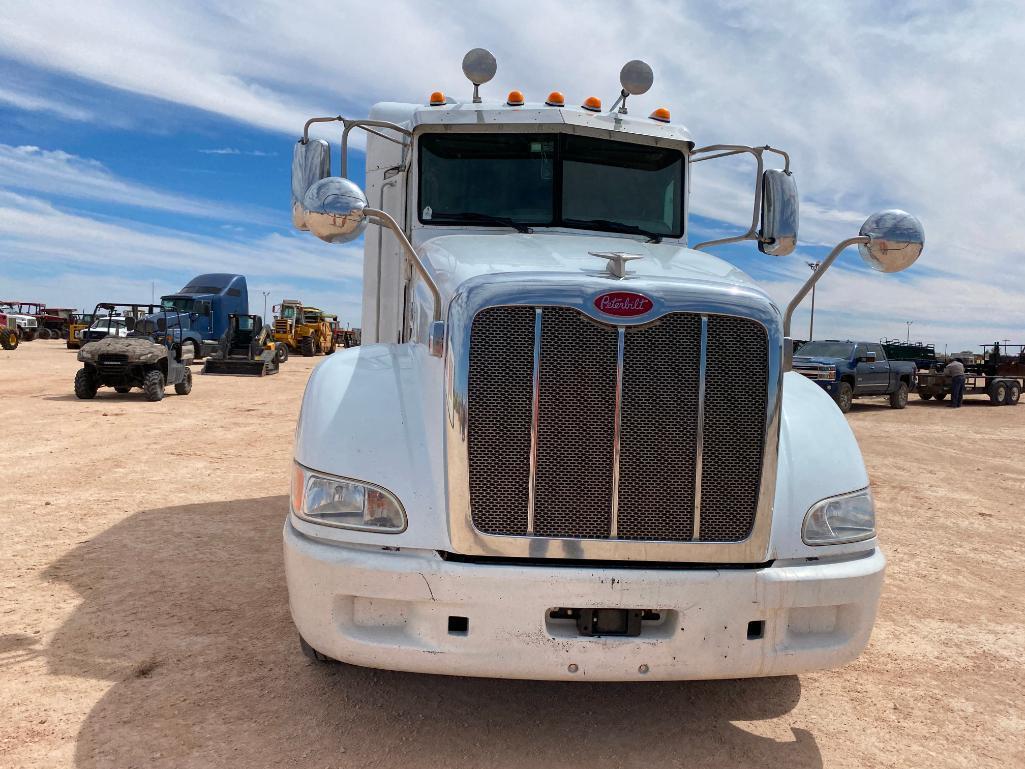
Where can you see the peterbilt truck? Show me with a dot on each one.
(571, 445)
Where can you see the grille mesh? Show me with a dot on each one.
(573, 487)
(577, 390)
(735, 383)
(660, 411)
(500, 390)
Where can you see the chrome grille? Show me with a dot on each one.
(660, 410)
(576, 387)
(736, 381)
(660, 407)
(500, 390)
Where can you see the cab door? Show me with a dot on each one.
(872, 374)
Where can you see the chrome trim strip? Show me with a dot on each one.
(534, 408)
(618, 419)
(579, 291)
(699, 439)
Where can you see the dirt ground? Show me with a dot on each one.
(144, 620)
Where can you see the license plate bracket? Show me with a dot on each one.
(605, 622)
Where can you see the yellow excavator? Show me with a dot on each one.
(301, 329)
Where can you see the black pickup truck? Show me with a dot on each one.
(849, 370)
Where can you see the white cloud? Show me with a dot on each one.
(34, 103)
(237, 151)
(42, 241)
(58, 173)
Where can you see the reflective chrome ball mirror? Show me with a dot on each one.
(479, 66)
(636, 77)
(311, 162)
(895, 241)
(333, 210)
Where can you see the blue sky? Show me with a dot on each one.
(142, 145)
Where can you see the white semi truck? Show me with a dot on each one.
(570, 446)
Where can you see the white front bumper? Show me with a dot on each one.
(391, 609)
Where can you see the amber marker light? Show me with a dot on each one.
(661, 115)
(592, 104)
(515, 99)
(556, 99)
(298, 487)
(437, 99)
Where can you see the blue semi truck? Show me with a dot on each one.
(208, 300)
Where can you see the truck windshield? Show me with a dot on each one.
(827, 349)
(551, 180)
(179, 303)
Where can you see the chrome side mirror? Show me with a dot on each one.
(780, 213)
(333, 210)
(895, 240)
(889, 241)
(311, 162)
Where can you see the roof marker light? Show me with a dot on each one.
(592, 104)
(515, 99)
(556, 99)
(661, 114)
(437, 99)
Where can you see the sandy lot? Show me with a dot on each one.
(144, 622)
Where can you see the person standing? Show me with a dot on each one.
(955, 370)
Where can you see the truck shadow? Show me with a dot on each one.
(184, 612)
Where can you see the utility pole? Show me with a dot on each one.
(908, 340)
(265, 295)
(811, 324)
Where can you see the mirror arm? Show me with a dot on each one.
(350, 124)
(312, 120)
(735, 149)
(727, 150)
(815, 278)
(385, 220)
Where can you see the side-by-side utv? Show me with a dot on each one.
(150, 358)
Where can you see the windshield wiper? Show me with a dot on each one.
(473, 216)
(608, 224)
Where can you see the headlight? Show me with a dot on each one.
(846, 518)
(827, 372)
(345, 503)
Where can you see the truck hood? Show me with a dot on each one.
(808, 360)
(454, 259)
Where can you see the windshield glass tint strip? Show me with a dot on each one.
(550, 180)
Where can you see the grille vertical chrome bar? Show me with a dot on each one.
(536, 385)
(700, 429)
(620, 346)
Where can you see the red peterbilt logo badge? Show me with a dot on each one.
(623, 304)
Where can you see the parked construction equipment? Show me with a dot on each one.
(245, 349)
(79, 323)
(302, 329)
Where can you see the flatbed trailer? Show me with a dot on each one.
(1002, 390)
